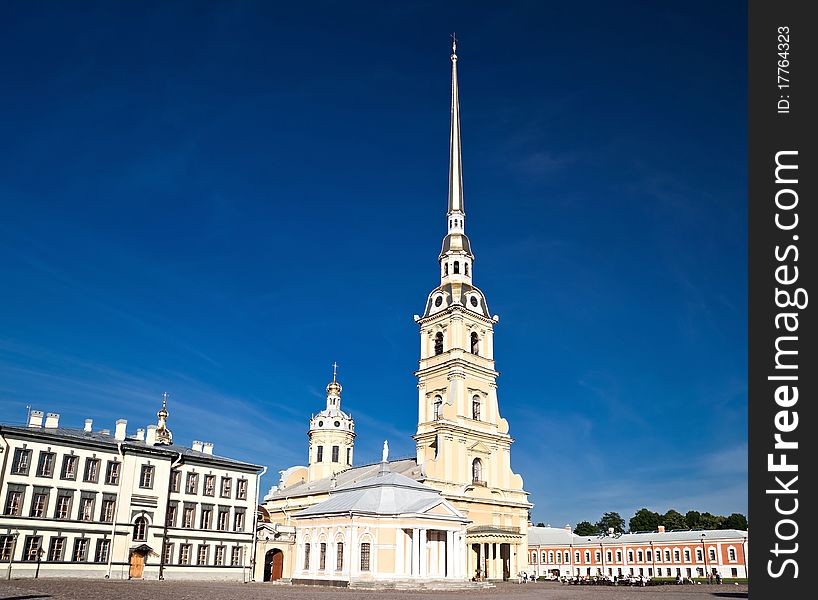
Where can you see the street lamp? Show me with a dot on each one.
(704, 554)
(744, 557)
(14, 537)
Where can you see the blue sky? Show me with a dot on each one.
(219, 200)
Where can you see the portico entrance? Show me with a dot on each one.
(492, 552)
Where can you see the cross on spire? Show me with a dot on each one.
(164, 400)
(334, 371)
(454, 43)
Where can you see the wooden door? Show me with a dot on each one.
(278, 565)
(137, 565)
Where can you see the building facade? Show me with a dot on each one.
(695, 553)
(85, 503)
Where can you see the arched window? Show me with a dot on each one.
(476, 470)
(475, 408)
(475, 343)
(438, 405)
(456, 268)
(365, 556)
(438, 343)
(667, 555)
(140, 529)
(466, 268)
(445, 269)
(339, 558)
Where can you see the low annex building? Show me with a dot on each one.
(555, 552)
(86, 503)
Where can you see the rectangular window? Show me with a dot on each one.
(734, 572)
(86, 512)
(108, 506)
(112, 472)
(349, 456)
(227, 484)
(101, 553)
(31, 549)
(712, 555)
(238, 521)
(235, 556)
(209, 485)
(167, 555)
(731, 554)
(320, 454)
(188, 516)
(146, 477)
(618, 556)
(63, 508)
(192, 486)
(170, 518)
(207, 518)
(224, 519)
(184, 554)
(364, 557)
(687, 555)
(56, 548)
(649, 556)
(630, 555)
(219, 558)
(39, 504)
(69, 467)
(322, 557)
(22, 461)
(609, 556)
(14, 502)
(597, 556)
(202, 557)
(6, 543)
(241, 489)
(339, 557)
(587, 556)
(80, 553)
(335, 454)
(307, 556)
(699, 555)
(91, 474)
(175, 480)
(45, 466)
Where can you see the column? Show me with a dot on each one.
(424, 555)
(450, 554)
(400, 542)
(415, 552)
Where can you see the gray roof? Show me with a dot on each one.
(386, 494)
(455, 293)
(553, 536)
(95, 438)
(404, 466)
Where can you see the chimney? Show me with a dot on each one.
(207, 448)
(661, 528)
(88, 424)
(610, 530)
(150, 439)
(35, 418)
(121, 426)
(568, 528)
(140, 435)
(197, 446)
(52, 420)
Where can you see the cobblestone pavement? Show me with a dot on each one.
(78, 589)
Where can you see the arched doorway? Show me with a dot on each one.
(137, 561)
(273, 565)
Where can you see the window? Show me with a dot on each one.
(91, 474)
(322, 557)
(86, 512)
(175, 480)
(167, 555)
(101, 553)
(188, 515)
(475, 343)
(438, 343)
(336, 451)
(445, 269)
(587, 556)
(619, 556)
(630, 555)
(69, 467)
(349, 456)
(731, 554)
(456, 268)
(146, 477)
(6, 543)
(107, 512)
(365, 548)
(39, 504)
(31, 549)
(219, 559)
(597, 556)
(56, 548)
(184, 554)
(241, 488)
(712, 554)
(466, 268)
(192, 486)
(667, 555)
(227, 485)
(238, 521)
(80, 553)
(45, 466)
(339, 556)
(319, 454)
(609, 556)
(224, 518)
(201, 559)
(687, 555)
(21, 462)
(63, 510)
(475, 408)
(209, 485)
(640, 556)
(235, 556)
(559, 558)
(676, 555)
(207, 518)
(544, 558)
(576, 556)
(112, 470)
(649, 556)
(140, 529)
(438, 404)
(476, 471)
(307, 556)
(699, 555)
(170, 518)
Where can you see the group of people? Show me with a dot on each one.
(523, 577)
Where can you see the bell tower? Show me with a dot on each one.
(332, 435)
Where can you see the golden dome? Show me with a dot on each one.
(334, 388)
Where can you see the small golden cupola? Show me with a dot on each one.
(331, 435)
(163, 434)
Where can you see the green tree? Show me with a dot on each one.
(693, 519)
(709, 521)
(735, 521)
(585, 528)
(611, 520)
(540, 524)
(644, 520)
(673, 519)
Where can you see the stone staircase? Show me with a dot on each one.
(420, 584)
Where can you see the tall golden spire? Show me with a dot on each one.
(456, 211)
(163, 434)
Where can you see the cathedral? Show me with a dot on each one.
(454, 513)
